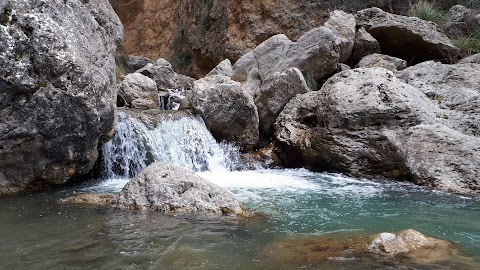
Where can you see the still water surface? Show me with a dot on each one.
(36, 232)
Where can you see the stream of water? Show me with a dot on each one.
(300, 207)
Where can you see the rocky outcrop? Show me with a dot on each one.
(139, 91)
(408, 38)
(57, 81)
(367, 122)
(274, 94)
(229, 113)
(383, 61)
(171, 189)
(196, 35)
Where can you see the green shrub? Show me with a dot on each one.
(427, 11)
(121, 61)
(468, 45)
(310, 80)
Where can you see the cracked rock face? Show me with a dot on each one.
(57, 81)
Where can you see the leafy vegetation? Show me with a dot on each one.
(469, 45)
(121, 61)
(310, 80)
(427, 11)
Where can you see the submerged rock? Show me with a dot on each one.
(406, 249)
(57, 97)
(93, 199)
(229, 113)
(172, 189)
(408, 38)
(367, 122)
(261, 159)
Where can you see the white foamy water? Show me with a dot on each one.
(247, 185)
(184, 141)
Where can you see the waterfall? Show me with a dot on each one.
(184, 141)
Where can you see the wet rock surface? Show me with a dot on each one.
(405, 249)
(229, 113)
(172, 189)
(57, 98)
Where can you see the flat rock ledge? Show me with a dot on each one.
(167, 188)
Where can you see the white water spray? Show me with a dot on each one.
(184, 141)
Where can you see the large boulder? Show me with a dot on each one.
(455, 88)
(138, 89)
(162, 73)
(409, 38)
(229, 113)
(171, 189)
(367, 122)
(275, 93)
(343, 25)
(57, 81)
(317, 52)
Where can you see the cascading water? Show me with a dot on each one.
(183, 141)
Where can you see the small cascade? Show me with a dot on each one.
(182, 140)
(170, 100)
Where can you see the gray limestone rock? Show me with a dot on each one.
(383, 61)
(343, 25)
(471, 59)
(275, 93)
(368, 122)
(408, 38)
(162, 73)
(365, 45)
(57, 81)
(139, 91)
(172, 189)
(223, 68)
(229, 113)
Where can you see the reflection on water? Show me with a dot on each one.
(302, 208)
